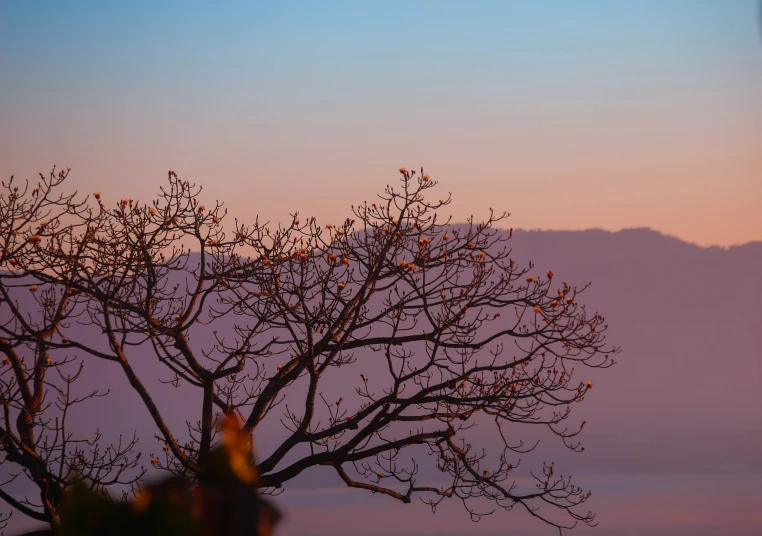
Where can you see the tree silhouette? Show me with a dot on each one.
(436, 329)
(35, 387)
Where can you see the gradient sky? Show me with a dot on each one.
(569, 115)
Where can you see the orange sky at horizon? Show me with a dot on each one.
(572, 193)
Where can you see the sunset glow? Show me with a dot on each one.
(624, 139)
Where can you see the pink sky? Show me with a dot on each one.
(703, 187)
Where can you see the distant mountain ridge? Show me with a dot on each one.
(640, 231)
(684, 397)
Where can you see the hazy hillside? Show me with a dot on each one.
(684, 400)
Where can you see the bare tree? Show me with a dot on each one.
(36, 385)
(435, 326)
